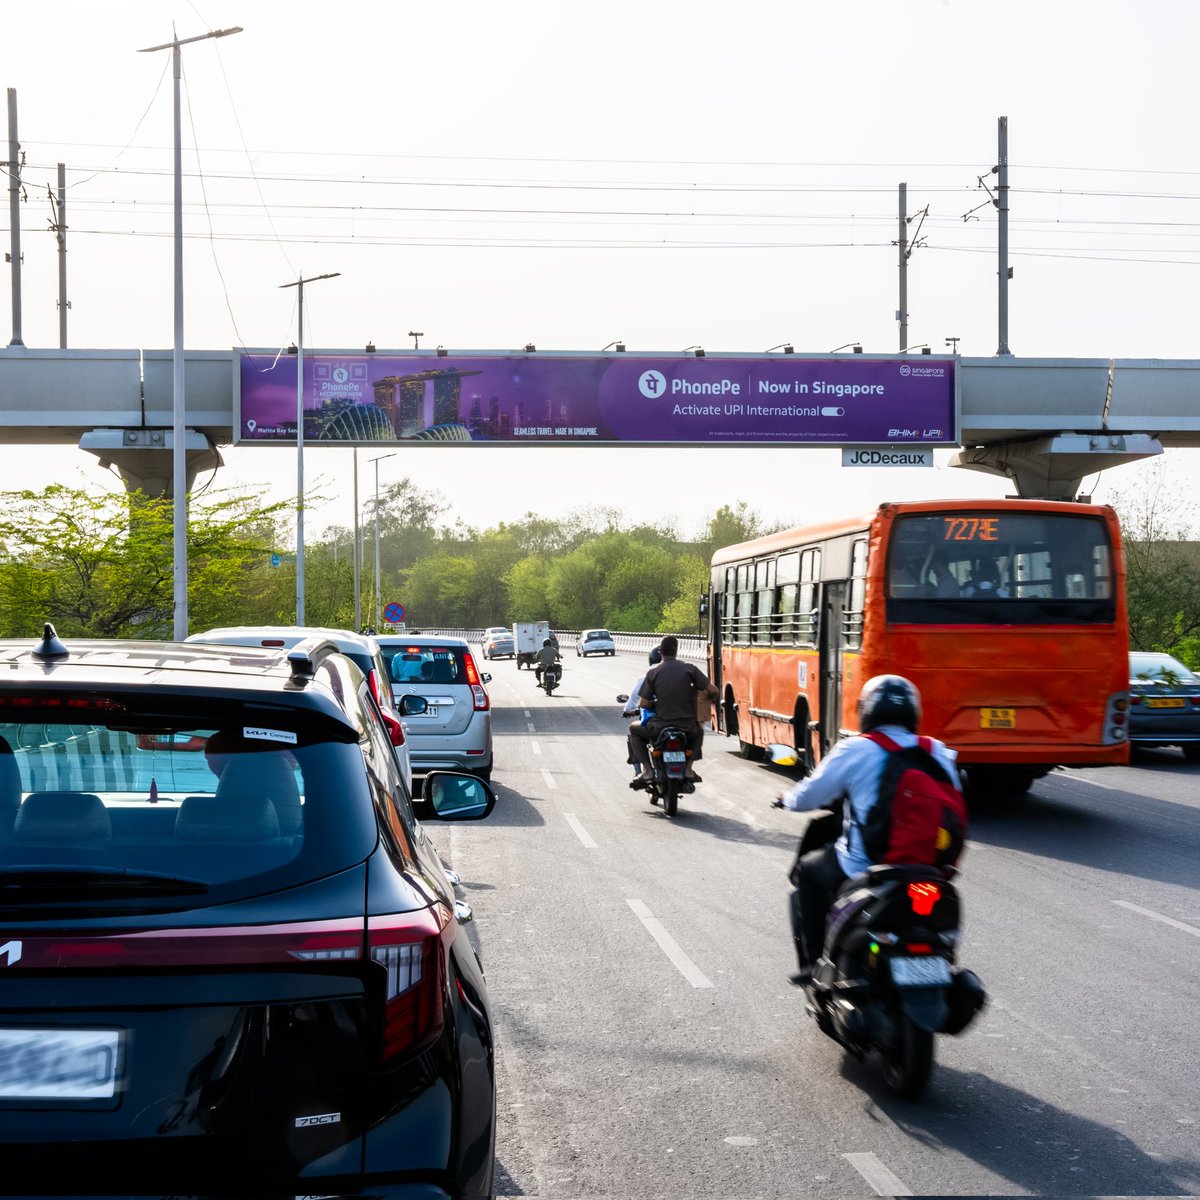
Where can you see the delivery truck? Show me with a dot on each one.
(528, 638)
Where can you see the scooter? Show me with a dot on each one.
(669, 757)
(887, 978)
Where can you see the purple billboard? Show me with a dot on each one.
(629, 399)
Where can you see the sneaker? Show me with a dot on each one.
(801, 978)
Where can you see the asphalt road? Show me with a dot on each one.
(649, 1044)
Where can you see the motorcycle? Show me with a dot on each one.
(551, 678)
(668, 768)
(887, 978)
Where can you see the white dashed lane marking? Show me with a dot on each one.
(549, 779)
(1149, 912)
(882, 1181)
(670, 947)
(581, 833)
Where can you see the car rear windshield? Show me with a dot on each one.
(426, 664)
(242, 805)
(599, 635)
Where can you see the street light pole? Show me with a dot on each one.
(179, 423)
(299, 284)
(378, 593)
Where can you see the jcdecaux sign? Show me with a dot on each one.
(630, 399)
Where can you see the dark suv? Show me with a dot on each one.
(230, 960)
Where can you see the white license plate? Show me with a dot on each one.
(59, 1064)
(674, 756)
(920, 972)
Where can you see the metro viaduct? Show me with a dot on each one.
(1044, 423)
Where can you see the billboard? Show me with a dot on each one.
(615, 398)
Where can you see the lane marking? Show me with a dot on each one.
(535, 747)
(531, 727)
(528, 713)
(549, 779)
(877, 1175)
(670, 947)
(581, 833)
(1149, 912)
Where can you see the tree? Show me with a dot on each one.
(1162, 563)
(102, 565)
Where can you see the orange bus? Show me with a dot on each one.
(1008, 615)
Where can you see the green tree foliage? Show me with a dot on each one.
(1162, 562)
(101, 565)
(681, 614)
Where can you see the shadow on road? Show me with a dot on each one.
(1041, 1149)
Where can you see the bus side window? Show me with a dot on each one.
(856, 601)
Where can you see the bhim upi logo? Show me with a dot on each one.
(652, 384)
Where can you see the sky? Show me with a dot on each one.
(662, 173)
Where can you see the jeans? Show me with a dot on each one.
(820, 876)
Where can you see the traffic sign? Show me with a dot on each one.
(393, 614)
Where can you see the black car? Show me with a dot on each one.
(1164, 703)
(230, 960)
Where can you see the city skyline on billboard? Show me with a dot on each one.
(512, 398)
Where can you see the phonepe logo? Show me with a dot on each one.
(340, 374)
(652, 384)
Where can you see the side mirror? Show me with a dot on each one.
(486, 677)
(783, 756)
(412, 706)
(455, 796)
(622, 698)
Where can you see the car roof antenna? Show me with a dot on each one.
(50, 647)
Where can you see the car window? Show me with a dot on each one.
(426, 664)
(1159, 666)
(239, 800)
(597, 635)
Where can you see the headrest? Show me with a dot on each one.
(63, 817)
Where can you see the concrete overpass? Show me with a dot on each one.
(1043, 423)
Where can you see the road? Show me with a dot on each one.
(648, 1042)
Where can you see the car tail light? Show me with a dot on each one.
(77, 704)
(408, 950)
(482, 703)
(390, 721)
(1135, 699)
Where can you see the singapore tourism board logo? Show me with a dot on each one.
(905, 369)
(652, 384)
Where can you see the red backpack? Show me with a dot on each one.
(920, 816)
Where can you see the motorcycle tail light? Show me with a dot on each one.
(924, 896)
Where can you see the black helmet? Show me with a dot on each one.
(889, 700)
(655, 656)
(547, 642)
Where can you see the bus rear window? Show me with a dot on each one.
(981, 556)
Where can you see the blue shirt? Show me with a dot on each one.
(853, 770)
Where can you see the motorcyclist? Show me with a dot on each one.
(632, 709)
(670, 689)
(850, 772)
(547, 656)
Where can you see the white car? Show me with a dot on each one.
(362, 649)
(595, 641)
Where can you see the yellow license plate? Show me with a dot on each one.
(1166, 702)
(997, 718)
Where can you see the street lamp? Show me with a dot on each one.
(179, 423)
(378, 597)
(299, 284)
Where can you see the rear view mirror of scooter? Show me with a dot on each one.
(783, 756)
(622, 698)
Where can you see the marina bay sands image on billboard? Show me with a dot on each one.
(617, 398)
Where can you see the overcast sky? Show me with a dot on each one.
(665, 173)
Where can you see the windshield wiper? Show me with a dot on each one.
(92, 880)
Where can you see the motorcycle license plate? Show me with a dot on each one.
(59, 1064)
(674, 756)
(920, 972)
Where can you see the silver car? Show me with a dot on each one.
(455, 730)
(362, 649)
